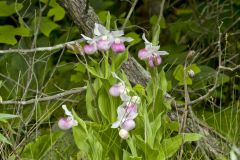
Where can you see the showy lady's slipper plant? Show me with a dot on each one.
(104, 39)
(68, 122)
(127, 111)
(151, 53)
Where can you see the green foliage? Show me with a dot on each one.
(4, 139)
(38, 148)
(183, 27)
(179, 73)
(8, 33)
(4, 117)
(9, 9)
(171, 145)
(46, 25)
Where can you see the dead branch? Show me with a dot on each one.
(47, 98)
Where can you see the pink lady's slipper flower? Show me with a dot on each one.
(117, 89)
(154, 60)
(118, 46)
(103, 44)
(113, 39)
(125, 118)
(104, 37)
(91, 47)
(118, 41)
(151, 53)
(68, 122)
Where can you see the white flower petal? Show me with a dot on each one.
(102, 30)
(145, 39)
(154, 48)
(136, 99)
(67, 112)
(126, 39)
(125, 98)
(121, 112)
(233, 156)
(96, 30)
(86, 38)
(117, 33)
(115, 124)
(131, 116)
(161, 53)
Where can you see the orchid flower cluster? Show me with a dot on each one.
(127, 111)
(151, 53)
(68, 122)
(104, 39)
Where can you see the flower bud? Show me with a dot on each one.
(123, 134)
(103, 44)
(66, 123)
(143, 53)
(90, 48)
(154, 61)
(117, 89)
(191, 73)
(128, 125)
(118, 46)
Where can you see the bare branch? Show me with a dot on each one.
(40, 49)
(48, 98)
(229, 68)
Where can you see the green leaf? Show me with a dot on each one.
(179, 73)
(9, 9)
(38, 148)
(108, 20)
(103, 16)
(80, 134)
(22, 31)
(80, 122)
(4, 117)
(171, 145)
(155, 126)
(194, 67)
(156, 35)
(80, 139)
(163, 81)
(7, 34)
(105, 105)
(89, 100)
(139, 89)
(148, 129)
(4, 139)
(183, 11)
(117, 60)
(80, 67)
(52, 3)
(154, 19)
(94, 72)
(135, 36)
(47, 26)
(57, 12)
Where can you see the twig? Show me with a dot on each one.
(229, 68)
(129, 14)
(40, 49)
(48, 98)
(159, 16)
